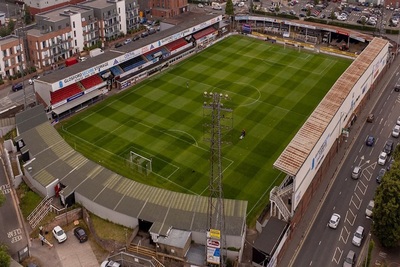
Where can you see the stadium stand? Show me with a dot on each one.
(91, 81)
(133, 63)
(203, 33)
(116, 70)
(176, 44)
(64, 93)
(150, 55)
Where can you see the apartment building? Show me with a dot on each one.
(60, 34)
(39, 6)
(114, 16)
(163, 8)
(12, 58)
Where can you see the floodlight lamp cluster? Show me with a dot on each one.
(211, 94)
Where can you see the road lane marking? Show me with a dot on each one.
(340, 255)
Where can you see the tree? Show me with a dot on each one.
(2, 198)
(5, 259)
(387, 209)
(27, 15)
(229, 10)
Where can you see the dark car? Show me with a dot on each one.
(144, 34)
(388, 148)
(380, 175)
(370, 118)
(390, 164)
(136, 37)
(118, 45)
(80, 234)
(370, 140)
(17, 87)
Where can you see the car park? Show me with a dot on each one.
(380, 175)
(59, 234)
(80, 234)
(370, 207)
(350, 259)
(358, 236)
(356, 172)
(17, 87)
(388, 148)
(370, 118)
(382, 158)
(396, 131)
(370, 140)
(334, 221)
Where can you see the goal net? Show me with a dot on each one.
(142, 164)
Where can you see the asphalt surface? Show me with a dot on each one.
(313, 243)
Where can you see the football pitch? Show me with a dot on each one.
(272, 89)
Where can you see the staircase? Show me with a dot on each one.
(39, 212)
(275, 198)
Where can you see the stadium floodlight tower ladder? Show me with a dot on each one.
(218, 122)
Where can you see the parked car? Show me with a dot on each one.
(80, 234)
(127, 41)
(388, 148)
(358, 236)
(136, 37)
(17, 87)
(380, 175)
(350, 259)
(356, 172)
(334, 221)
(370, 140)
(200, 5)
(33, 79)
(370, 207)
(118, 45)
(59, 234)
(370, 118)
(398, 121)
(389, 166)
(382, 158)
(396, 131)
(110, 264)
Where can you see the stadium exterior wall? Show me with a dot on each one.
(106, 213)
(341, 119)
(48, 190)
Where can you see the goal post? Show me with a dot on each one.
(141, 163)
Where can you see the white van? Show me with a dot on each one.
(216, 6)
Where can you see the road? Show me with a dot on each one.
(8, 98)
(348, 197)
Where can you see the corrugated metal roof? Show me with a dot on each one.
(106, 188)
(297, 151)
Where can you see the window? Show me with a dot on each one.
(73, 24)
(76, 43)
(4, 53)
(74, 33)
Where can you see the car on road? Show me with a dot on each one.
(358, 236)
(59, 234)
(334, 221)
(200, 5)
(370, 140)
(370, 118)
(380, 175)
(382, 158)
(127, 41)
(136, 37)
(17, 87)
(110, 264)
(80, 234)
(389, 166)
(118, 45)
(350, 259)
(356, 172)
(370, 207)
(388, 148)
(396, 131)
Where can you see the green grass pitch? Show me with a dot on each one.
(273, 90)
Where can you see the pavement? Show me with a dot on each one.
(70, 253)
(301, 229)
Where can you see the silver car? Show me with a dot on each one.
(350, 259)
(358, 236)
